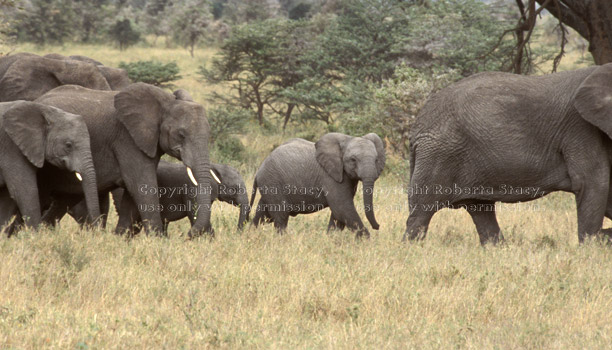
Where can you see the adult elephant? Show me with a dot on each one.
(26, 76)
(511, 138)
(177, 196)
(130, 130)
(301, 177)
(116, 78)
(33, 135)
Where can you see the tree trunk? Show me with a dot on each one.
(290, 108)
(591, 19)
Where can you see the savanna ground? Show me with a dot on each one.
(67, 288)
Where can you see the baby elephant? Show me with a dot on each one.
(301, 177)
(177, 196)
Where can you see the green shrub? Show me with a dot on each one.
(228, 149)
(227, 120)
(151, 72)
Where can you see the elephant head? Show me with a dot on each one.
(116, 78)
(358, 158)
(45, 133)
(30, 76)
(232, 190)
(158, 123)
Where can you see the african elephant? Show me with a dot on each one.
(116, 78)
(177, 193)
(33, 135)
(511, 138)
(130, 130)
(25, 76)
(301, 177)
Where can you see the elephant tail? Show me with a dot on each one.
(253, 193)
(412, 161)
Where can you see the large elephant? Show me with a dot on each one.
(177, 196)
(26, 76)
(511, 138)
(301, 177)
(33, 135)
(130, 130)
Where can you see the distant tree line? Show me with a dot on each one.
(367, 64)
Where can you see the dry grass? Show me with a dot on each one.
(67, 288)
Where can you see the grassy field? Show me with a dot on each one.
(67, 288)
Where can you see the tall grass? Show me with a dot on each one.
(72, 288)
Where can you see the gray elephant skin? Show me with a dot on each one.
(301, 177)
(26, 76)
(510, 138)
(177, 196)
(34, 136)
(130, 130)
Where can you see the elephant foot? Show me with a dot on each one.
(195, 233)
(362, 234)
(605, 236)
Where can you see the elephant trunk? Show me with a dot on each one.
(90, 187)
(243, 204)
(368, 195)
(201, 173)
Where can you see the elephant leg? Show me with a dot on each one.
(280, 219)
(55, 212)
(418, 221)
(79, 211)
(24, 189)
(8, 210)
(335, 224)
(129, 217)
(343, 210)
(483, 215)
(590, 184)
(261, 213)
(139, 174)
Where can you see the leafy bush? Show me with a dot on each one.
(228, 149)
(151, 72)
(226, 120)
(124, 34)
(396, 103)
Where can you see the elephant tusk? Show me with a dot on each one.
(190, 173)
(79, 176)
(215, 176)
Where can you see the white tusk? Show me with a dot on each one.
(79, 176)
(191, 176)
(215, 176)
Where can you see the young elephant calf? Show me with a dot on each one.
(178, 195)
(301, 177)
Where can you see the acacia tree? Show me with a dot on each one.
(260, 60)
(190, 23)
(592, 19)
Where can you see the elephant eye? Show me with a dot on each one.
(68, 145)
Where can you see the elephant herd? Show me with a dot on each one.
(73, 131)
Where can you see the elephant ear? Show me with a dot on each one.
(26, 126)
(380, 149)
(25, 79)
(140, 108)
(183, 95)
(593, 99)
(76, 73)
(328, 151)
